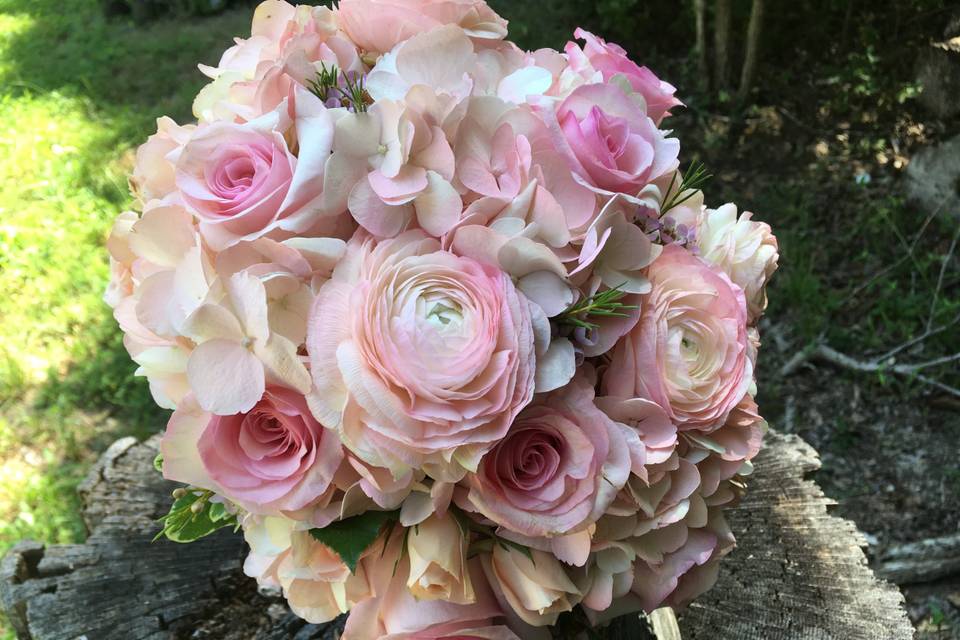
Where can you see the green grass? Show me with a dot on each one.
(78, 92)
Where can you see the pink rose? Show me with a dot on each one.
(379, 25)
(276, 457)
(557, 470)
(242, 181)
(611, 60)
(689, 353)
(420, 358)
(609, 141)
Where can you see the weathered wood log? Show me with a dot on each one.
(798, 572)
(922, 561)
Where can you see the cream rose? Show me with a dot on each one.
(745, 250)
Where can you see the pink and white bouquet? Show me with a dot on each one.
(444, 328)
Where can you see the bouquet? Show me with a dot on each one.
(446, 331)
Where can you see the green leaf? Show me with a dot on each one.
(158, 462)
(351, 537)
(182, 524)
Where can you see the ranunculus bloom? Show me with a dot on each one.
(274, 458)
(420, 358)
(611, 60)
(744, 249)
(242, 181)
(609, 141)
(689, 353)
(379, 25)
(536, 587)
(557, 470)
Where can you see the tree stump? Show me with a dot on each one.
(798, 572)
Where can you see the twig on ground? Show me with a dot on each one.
(829, 355)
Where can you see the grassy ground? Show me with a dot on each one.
(77, 93)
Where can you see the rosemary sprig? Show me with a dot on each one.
(326, 81)
(330, 82)
(694, 179)
(604, 304)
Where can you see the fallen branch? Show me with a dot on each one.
(829, 355)
(923, 561)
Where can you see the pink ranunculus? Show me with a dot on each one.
(242, 181)
(557, 470)
(420, 358)
(379, 25)
(274, 458)
(689, 353)
(610, 142)
(611, 60)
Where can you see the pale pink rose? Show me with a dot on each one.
(557, 470)
(274, 458)
(535, 587)
(611, 60)
(420, 358)
(745, 250)
(242, 181)
(154, 173)
(611, 144)
(275, 455)
(379, 25)
(689, 353)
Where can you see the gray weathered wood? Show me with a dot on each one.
(798, 573)
(922, 561)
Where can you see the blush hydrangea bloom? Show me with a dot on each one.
(434, 327)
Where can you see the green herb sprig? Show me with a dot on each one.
(694, 179)
(331, 82)
(603, 304)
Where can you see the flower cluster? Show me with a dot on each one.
(443, 327)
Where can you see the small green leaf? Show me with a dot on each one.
(158, 462)
(351, 537)
(182, 524)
